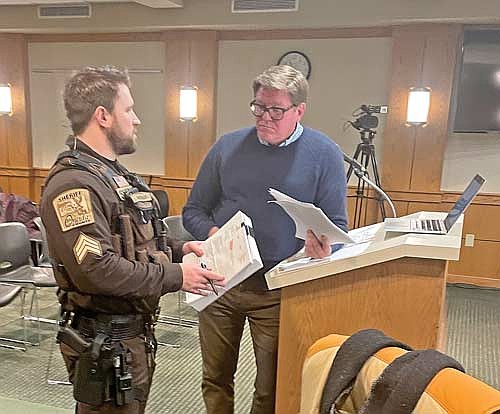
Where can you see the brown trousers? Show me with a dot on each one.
(143, 366)
(221, 327)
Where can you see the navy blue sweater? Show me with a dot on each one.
(237, 173)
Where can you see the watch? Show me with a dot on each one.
(296, 60)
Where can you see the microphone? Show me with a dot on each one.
(354, 164)
(362, 173)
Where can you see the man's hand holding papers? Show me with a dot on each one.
(317, 247)
(307, 216)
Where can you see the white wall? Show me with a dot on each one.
(468, 154)
(345, 74)
(52, 63)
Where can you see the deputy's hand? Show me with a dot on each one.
(193, 246)
(315, 247)
(212, 231)
(195, 279)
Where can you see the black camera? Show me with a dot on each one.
(374, 109)
(365, 119)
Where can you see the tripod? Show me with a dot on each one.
(365, 155)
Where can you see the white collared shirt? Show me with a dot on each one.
(292, 138)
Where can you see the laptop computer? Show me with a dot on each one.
(434, 226)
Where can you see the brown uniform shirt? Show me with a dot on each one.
(80, 212)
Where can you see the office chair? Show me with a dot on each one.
(7, 294)
(17, 269)
(176, 230)
(164, 204)
(449, 392)
(43, 274)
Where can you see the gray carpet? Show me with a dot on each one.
(176, 387)
(473, 339)
(474, 331)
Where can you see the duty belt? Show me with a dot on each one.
(117, 327)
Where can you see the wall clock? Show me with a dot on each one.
(296, 60)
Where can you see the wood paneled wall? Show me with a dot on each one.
(423, 55)
(191, 60)
(15, 137)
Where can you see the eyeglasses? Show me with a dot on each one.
(274, 112)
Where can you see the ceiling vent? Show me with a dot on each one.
(64, 11)
(254, 6)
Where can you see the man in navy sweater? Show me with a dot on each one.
(239, 169)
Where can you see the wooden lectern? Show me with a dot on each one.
(393, 282)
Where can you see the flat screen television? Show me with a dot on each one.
(478, 89)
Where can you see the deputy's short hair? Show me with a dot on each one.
(283, 77)
(89, 88)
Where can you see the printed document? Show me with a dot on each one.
(232, 252)
(308, 216)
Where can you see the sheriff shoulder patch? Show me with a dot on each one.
(73, 208)
(84, 245)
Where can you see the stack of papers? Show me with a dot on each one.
(308, 216)
(232, 252)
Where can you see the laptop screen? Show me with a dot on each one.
(463, 202)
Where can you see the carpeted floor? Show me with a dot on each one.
(473, 339)
(177, 380)
(474, 331)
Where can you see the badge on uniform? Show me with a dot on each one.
(120, 181)
(73, 208)
(84, 245)
(123, 191)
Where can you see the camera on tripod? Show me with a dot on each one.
(364, 157)
(365, 120)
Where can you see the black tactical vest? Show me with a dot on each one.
(147, 242)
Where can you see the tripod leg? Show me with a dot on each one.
(359, 201)
(377, 181)
(355, 156)
(359, 213)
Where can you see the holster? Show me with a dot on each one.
(103, 369)
(93, 374)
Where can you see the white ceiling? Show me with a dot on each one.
(164, 4)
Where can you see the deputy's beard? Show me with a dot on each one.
(122, 145)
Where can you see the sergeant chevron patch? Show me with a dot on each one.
(84, 245)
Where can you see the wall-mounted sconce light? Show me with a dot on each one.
(5, 100)
(419, 100)
(188, 103)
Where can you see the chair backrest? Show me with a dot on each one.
(44, 257)
(175, 228)
(8, 293)
(162, 197)
(16, 249)
(449, 392)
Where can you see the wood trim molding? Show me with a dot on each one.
(8, 171)
(174, 182)
(158, 180)
(471, 280)
(38, 172)
(327, 33)
(95, 37)
(429, 197)
(157, 36)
